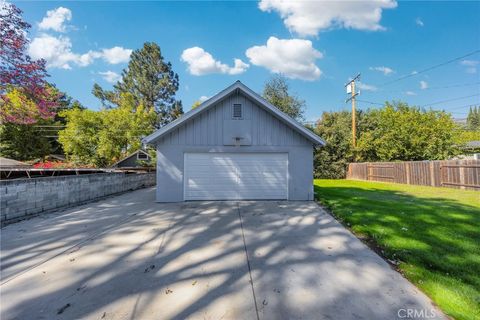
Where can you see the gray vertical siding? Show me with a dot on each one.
(205, 133)
(207, 128)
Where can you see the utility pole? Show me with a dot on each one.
(351, 89)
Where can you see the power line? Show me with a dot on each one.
(428, 104)
(371, 102)
(415, 73)
(446, 109)
(461, 107)
(453, 86)
(437, 87)
(448, 100)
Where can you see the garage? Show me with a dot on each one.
(234, 176)
(234, 146)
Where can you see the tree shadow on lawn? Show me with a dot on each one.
(438, 234)
(177, 261)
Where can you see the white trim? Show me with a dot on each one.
(222, 94)
(184, 174)
(288, 175)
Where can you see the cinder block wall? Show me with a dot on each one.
(21, 198)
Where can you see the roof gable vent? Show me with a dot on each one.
(237, 111)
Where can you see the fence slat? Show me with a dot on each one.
(464, 174)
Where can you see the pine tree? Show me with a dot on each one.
(477, 112)
(150, 80)
(473, 118)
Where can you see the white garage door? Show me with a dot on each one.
(232, 176)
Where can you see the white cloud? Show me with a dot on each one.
(203, 98)
(308, 18)
(471, 65)
(200, 62)
(110, 76)
(423, 85)
(294, 58)
(56, 19)
(419, 22)
(386, 70)
(116, 55)
(239, 67)
(57, 51)
(366, 87)
(410, 93)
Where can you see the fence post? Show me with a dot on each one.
(432, 173)
(407, 170)
(461, 170)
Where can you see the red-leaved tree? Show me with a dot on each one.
(20, 73)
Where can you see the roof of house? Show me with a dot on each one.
(224, 93)
(129, 156)
(6, 163)
(473, 144)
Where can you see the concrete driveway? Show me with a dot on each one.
(127, 257)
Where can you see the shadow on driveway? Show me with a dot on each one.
(128, 257)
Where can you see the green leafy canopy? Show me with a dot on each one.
(102, 137)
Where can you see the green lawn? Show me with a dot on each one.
(434, 234)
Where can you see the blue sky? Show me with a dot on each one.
(318, 45)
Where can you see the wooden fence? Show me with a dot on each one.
(464, 174)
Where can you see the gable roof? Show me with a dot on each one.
(6, 163)
(220, 96)
(473, 144)
(129, 156)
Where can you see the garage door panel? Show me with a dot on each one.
(218, 175)
(224, 176)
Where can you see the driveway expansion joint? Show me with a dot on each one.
(248, 260)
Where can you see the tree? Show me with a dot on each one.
(331, 160)
(32, 140)
(401, 132)
(276, 91)
(151, 82)
(80, 138)
(394, 132)
(169, 115)
(107, 98)
(196, 104)
(102, 137)
(473, 118)
(20, 76)
(24, 142)
(463, 136)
